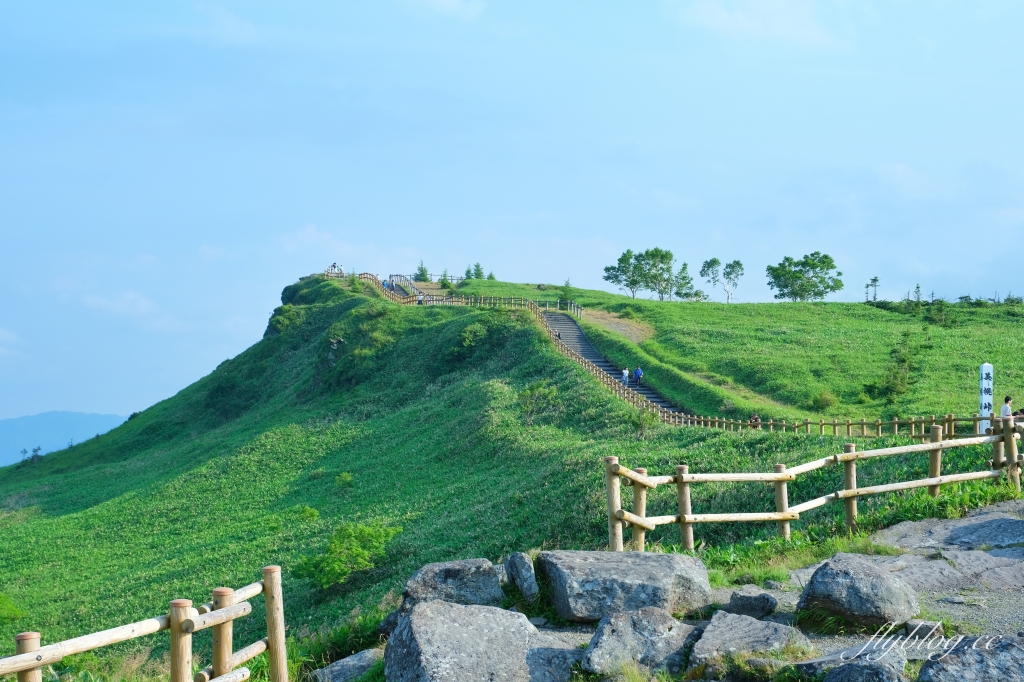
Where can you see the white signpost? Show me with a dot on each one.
(986, 394)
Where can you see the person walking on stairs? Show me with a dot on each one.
(638, 374)
(625, 376)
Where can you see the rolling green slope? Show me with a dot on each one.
(808, 360)
(421, 407)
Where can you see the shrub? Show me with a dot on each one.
(9, 612)
(307, 513)
(473, 334)
(537, 397)
(353, 547)
(823, 401)
(343, 480)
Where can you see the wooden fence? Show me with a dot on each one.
(915, 427)
(1005, 459)
(183, 621)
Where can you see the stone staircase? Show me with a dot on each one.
(573, 336)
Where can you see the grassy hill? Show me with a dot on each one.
(420, 408)
(804, 360)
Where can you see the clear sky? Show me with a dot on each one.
(166, 168)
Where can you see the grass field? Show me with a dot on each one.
(806, 360)
(420, 407)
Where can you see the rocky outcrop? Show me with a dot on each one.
(469, 581)
(351, 668)
(856, 590)
(587, 586)
(442, 642)
(649, 637)
(731, 635)
(519, 567)
(977, 659)
(751, 600)
(996, 526)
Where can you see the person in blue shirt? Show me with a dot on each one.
(638, 375)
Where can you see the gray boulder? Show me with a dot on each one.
(732, 635)
(469, 581)
(351, 668)
(438, 641)
(650, 637)
(883, 652)
(499, 570)
(978, 659)
(864, 671)
(519, 567)
(587, 586)
(857, 590)
(751, 600)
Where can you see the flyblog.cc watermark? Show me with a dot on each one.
(926, 637)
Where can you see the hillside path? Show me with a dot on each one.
(574, 337)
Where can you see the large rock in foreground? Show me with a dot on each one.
(469, 581)
(857, 590)
(732, 635)
(350, 668)
(587, 586)
(650, 637)
(978, 659)
(441, 642)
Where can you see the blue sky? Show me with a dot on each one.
(166, 168)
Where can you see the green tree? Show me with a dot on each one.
(683, 286)
(444, 281)
(656, 269)
(567, 292)
(627, 273)
(728, 278)
(809, 279)
(469, 272)
(490, 276)
(873, 283)
(422, 274)
(478, 271)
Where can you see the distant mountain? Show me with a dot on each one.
(51, 431)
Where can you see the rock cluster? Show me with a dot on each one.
(450, 625)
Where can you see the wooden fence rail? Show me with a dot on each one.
(182, 621)
(915, 427)
(1003, 436)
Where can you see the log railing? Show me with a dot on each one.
(1003, 437)
(915, 427)
(182, 621)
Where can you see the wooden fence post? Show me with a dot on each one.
(181, 641)
(782, 502)
(935, 460)
(849, 428)
(912, 432)
(821, 427)
(1010, 451)
(640, 509)
(611, 482)
(998, 462)
(683, 496)
(26, 643)
(850, 483)
(977, 424)
(274, 599)
(878, 428)
(223, 633)
(895, 426)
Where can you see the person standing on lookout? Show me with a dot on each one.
(625, 376)
(1007, 409)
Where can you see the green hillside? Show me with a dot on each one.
(805, 360)
(420, 407)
